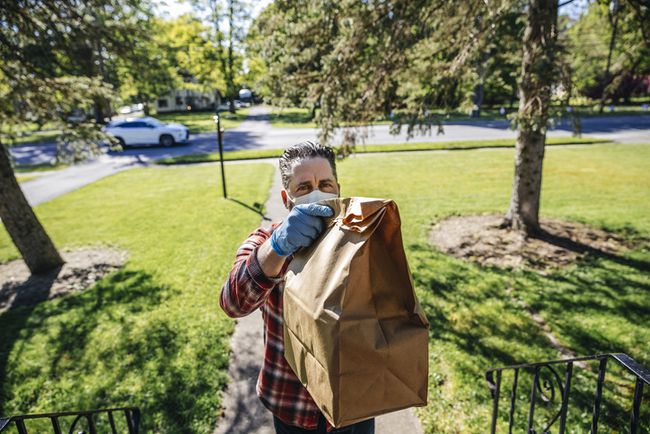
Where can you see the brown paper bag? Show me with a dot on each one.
(354, 332)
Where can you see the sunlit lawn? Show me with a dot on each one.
(35, 137)
(291, 117)
(42, 167)
(478, 315)
(299, 117)
(252, 154)
(25, 178)
(151, 334)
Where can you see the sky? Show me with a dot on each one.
(575, 8)
(175, 8)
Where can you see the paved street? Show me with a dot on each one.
(256, 133)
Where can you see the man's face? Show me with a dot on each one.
(308, 175)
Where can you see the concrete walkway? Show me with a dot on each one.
(244, 414)
(58, 182)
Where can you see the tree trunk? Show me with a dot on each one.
(217, 101)
(99, 111)
(21, 223)
(607, 78)
(513, 97)
(538, 73)
(479, 88)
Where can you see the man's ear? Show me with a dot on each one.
(338, 186)
(285, 198)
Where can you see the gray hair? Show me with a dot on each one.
(303, 151)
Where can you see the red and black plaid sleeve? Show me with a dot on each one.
(247, 287)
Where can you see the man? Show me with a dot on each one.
(308, 173)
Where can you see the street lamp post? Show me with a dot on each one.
(217, 120)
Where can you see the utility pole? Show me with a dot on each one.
(217, 120)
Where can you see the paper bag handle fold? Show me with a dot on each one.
(355, 213)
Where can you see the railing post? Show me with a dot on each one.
(599, 394)
(55, 425)
(641, 378)
(565, 397)
(495, 402)
(132, 420)
(111, 421)
(513, 399)
(91, 423)
(636, 406)
(533, 393)
(20, 424)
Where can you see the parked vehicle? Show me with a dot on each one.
(76, 116)
(128, 109)
(147, 131)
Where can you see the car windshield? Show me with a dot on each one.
(155, 122)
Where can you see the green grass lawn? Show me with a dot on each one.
(253, 154)
(25, 173)
(152, 334)
(32, 138)
(291, 117)
(298, 117)
(477, 315)
(43, 167)
(25, 178)
(29, 132)
(202, 122)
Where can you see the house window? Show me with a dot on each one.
(162, 103)
(179, 100)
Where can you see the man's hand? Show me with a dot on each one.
(301, 227)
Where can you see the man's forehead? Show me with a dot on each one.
(311, 169)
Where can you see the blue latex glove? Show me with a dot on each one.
(301, 227)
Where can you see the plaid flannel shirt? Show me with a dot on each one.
(246, 289)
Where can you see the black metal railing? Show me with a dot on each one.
(561, 373)
(89, 418)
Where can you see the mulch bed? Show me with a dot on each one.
(83, 267)
(480, 239)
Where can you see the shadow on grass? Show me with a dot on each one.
(580, 248)
(257, 207)
(479, 320)
(107, 346)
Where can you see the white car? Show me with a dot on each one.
(147, 131)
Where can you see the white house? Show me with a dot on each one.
(184, 100)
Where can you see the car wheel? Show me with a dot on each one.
(122, 143)
(166, 140)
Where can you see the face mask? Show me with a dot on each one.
(314, 196)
